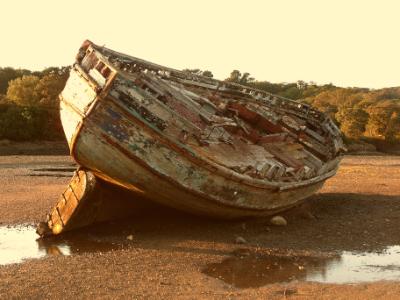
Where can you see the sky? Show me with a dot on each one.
(347, 43)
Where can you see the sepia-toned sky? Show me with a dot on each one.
(347, 43)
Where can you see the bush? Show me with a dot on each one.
(20, 123)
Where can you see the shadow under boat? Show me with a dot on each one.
(88, 200)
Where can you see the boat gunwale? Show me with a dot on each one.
(99, 50)
(316, 115)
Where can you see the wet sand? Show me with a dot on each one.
(173, 255)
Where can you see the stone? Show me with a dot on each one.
(240, 240)
(278, 221)
(130, 237)
(43, 229)
(308, 215)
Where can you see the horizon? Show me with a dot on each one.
(344, 44)
(256, 79)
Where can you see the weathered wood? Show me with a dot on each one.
(211, 147)
(88, 200)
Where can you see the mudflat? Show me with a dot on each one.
(163, 253)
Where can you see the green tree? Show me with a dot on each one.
(237, 77)
(291, 92)
(3, 99)
(22, 123)
(48, 88)
(22, 91)
(352, 121)
(7, 74)
(267, 86)
(392, 133)
(384, 120)
(205, 73)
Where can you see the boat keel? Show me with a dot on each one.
(85, 201)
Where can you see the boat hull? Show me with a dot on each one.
(199, 145)
(169, 177)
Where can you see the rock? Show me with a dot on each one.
(242, 252)
(130, 237)
(308, 215)
(43, 229)
(240, 240)
(278, 221)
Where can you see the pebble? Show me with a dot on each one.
(130, 237)
(308, 215)
(240, 240)
(278, 221)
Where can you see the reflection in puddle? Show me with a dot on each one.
(249, 270)
(244, 269)
(18, 243)
(362, 267)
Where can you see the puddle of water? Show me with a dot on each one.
(18, 243)
(249, 270)
(362, 267)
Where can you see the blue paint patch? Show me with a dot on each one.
(113, 114)
(114, 130)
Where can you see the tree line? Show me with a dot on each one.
(29, 104)
(363, 115)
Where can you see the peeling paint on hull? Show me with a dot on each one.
(177, 185)
(193, 143)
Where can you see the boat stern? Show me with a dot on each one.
(89, 79)
(75, 100)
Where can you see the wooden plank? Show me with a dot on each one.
(283, 157)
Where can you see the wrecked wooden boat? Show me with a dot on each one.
(190, 142)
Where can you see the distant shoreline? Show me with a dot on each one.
(61, 148)
(33, 148)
